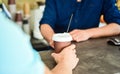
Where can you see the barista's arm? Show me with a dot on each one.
(108, 30)
(47, 32)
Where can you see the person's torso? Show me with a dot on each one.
(86, 14)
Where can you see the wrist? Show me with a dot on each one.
(65, 65)
(89, 33)
(60, 68)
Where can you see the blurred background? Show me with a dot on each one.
(27, 14)
(19, 3)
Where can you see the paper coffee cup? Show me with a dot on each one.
(61, 40)
(11, 1)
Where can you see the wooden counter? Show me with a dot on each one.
(95, 55)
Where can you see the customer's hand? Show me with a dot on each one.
(79, 35)
(67, 57)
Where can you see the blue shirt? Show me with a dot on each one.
(16, 53)
(86, 14)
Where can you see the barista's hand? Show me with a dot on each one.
(51, 43)
(79, 35)
(67, 57)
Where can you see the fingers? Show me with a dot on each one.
(68, 54)
(56, 57)
(72, 46)
(77, 60)
(75, 35)
(76, 38)
(73, 32)
(74, 50)
(51, 43)
(79, 35)
(53, 54)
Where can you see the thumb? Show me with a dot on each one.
(54, 55)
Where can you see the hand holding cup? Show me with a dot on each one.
(61, 40)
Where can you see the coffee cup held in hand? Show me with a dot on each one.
(61, 40)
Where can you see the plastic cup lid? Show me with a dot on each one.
(62, 37)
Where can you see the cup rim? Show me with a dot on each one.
(62, 37)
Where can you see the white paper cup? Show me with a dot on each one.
(61, 40)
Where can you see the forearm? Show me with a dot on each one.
(47, 70)
(47, 32)
(108, 30)
(61, 69)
